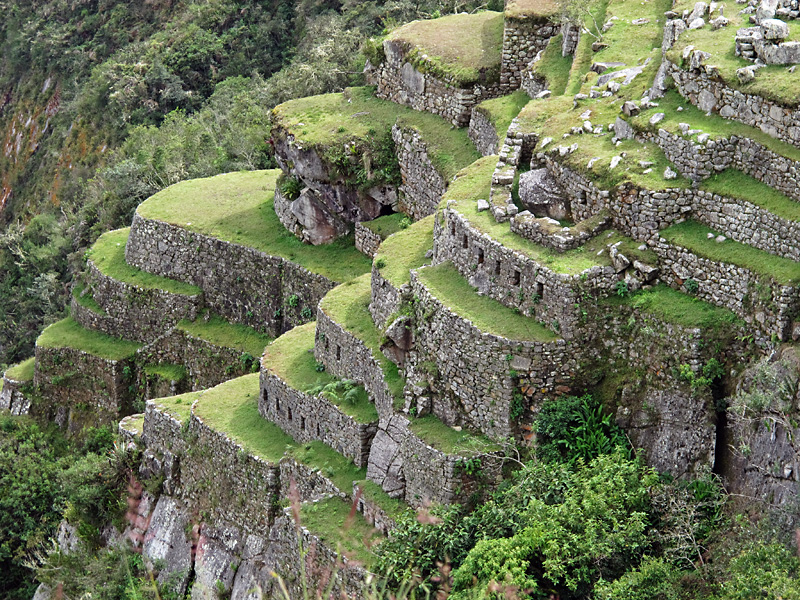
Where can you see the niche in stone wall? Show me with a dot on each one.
(465, 241)
(497, 266)
(480, 256)
(516, 277)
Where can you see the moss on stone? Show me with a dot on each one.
(238, 208)
(108, 255)
(22, 371)
(69, 334)
(447, 285)
(405, 250)
(693, 236)
(213, 328)
(501, 111)
(732, 183)
(291, 357)
(332, 521)
(433, 432)
(463, 48)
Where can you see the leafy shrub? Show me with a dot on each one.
(290, 187)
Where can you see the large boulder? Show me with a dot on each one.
(774, 29)
(541, 194)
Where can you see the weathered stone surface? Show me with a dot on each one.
(622, 130)
(385, 465)
(167, 544)
(774, 29)
(540, 193)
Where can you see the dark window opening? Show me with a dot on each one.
(497, 267)
(517, 277)
(338, 352)
(539, 289)
(465, 242)
(480, 256)
(303, 423)
(452, 227)
(289, 413)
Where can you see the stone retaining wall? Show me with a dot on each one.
(423, 185)
(386, 299)
(242, 284)
(307, 418)
(367, 241)
(482, 132)
(12, 396)
(475, 387)
(515, 280)
(710, 94)
(374, 513)
(399, 81)
(523, 39)
(132, 312)
(560, 239)
(79, 389)
(770, 307)
(346, 356)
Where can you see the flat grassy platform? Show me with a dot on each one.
(333, 521)
(531, 8)
(373, 492)
(501, 111)
(22, 371)
(179, 407)
(451, 289)
(673, 306)
(432, 431)
(714, 125)
(134, 423)
(86, 300)
(108, 254)
(218, 331)
(463, 47)
(356, 114)
(232, 408)
(387, 225)
(693, 236)
(238, 207)
(474, 182)
(735, 184)
(167, 372)
(69, 334)
(291, 357)
(348, 305)
(405, 250)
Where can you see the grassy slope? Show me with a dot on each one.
(488, 315)
(526, 8)
(404, 251)
(461, 46)
(167, 372)
(291, 357)
(735, 184)
(330, 119)
(435, 433)
(693, 236)
(108, 255)
(23, 371)
(386, 225)
(229, 335)
(501, 111)
(180, 406)
(332, 520)
(554, 67)
(68, 334)
(348, 305)
(86, 300)
(238, 207)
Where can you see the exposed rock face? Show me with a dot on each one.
(167, 543)
(540, 193)
(385, 461)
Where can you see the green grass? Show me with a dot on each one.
(373, 492)
(167, 372)
(692, 236)
(404, 251)
(714, 125)
(330, 120)
(387, 225)
(218, 331)
(432, 431)
(330, 463)
(23, 371)
(179, 407)
(584, 56)
(348, 305)
(330, 520)
(451, 289)
(291, 357)
(527, 8)
(108, 255)
(463, 47)
(474, 182)
(135, 423)
(501, 111)
(69, 334)
(735, 184)
(554, 67)
(676, 307)
(238, 207)
(86, 300)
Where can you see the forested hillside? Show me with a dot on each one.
(105, 102)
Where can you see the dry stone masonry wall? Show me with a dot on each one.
(13, 396)
(523, 39)
(386, 299)
(367, 241)
(423, 185)
(482, 133)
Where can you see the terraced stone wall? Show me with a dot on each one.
(711, 94)
(374, 513)
(523, 39)
(399, 81)
(422, 186)
(482, 132)
(307, 418)
(132, 312)
(514, 279)
(770, 307)
(79, 389)
(346, 356)
(367, 241)
(434, 476)
(386, 299)
(13, 398)
(257, 300)
(475, 387)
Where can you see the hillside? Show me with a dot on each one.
(519, 317)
